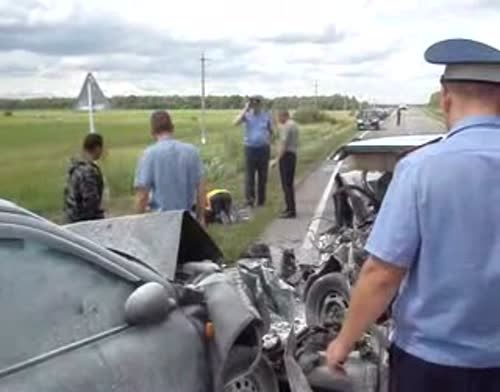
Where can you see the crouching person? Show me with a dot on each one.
(219, 207)
(83, 194)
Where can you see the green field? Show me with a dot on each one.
(36, 146)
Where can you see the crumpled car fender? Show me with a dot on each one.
(237, 324)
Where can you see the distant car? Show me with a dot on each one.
(368, 120)
(82, 311)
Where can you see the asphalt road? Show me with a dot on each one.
(414, 121)
(313, 195)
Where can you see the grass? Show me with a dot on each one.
(36, 147)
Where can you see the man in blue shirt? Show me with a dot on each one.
(257, 140)
(436, 242)
(170, 174)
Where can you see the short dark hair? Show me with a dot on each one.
(477, 90)
(91, 141)
(161, 122)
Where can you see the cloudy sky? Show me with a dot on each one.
(369, 48)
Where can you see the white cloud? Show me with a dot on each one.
(363, 47)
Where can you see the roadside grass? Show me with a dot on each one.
(36, 146)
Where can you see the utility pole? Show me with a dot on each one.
(316, 94)
(202, 119)
(90, 102)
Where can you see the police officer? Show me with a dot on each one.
(257, 140)
(436, 242)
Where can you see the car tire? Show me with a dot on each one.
(261, 379)
(333, 288)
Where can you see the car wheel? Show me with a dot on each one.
(261, 379)
(327, 300)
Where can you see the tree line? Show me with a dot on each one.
(434, 99)
(331, 102)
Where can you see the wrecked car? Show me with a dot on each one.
(362, 174)
(363, 171)
(104, 306)
(293, 351)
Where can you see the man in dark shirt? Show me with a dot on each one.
(287, 159)
(85, 184)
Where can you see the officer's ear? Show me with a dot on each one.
(445, 98)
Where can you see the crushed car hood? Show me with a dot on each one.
(162, 240)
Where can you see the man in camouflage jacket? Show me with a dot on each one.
(83, 194)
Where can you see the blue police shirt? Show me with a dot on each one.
(257, 132)
(441, 219)
(172, 171)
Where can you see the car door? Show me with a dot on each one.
(63, 325)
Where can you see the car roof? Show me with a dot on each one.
(17, 217)
(12, 208)
(390, 144)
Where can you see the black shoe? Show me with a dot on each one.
(288, 215)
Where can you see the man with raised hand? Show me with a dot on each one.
(257, 140)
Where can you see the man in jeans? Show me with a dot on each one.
(258, 131)
(287, 158)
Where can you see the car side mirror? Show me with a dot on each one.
(148, 304)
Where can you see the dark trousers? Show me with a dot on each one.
(411, 374)
(287, 173)
(257, 163)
